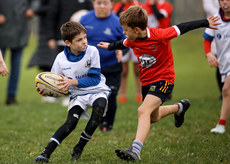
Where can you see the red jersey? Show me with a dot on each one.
(119, 5)
(164, 8)
(155, 55)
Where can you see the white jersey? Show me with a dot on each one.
(211, 8)
(222, 39)
(79, 70)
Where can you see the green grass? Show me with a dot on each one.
(26, 128)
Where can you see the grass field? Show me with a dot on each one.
(26, 128)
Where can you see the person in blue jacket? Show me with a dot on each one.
(102, 25)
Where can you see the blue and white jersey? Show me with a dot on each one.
(103, 30)
(81, 67)
(222, 39)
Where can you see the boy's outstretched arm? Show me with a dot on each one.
(209, 23)
(112, 46)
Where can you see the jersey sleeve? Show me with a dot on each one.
(208, 34)
(207, 46)
(166, 34)
(94, 72)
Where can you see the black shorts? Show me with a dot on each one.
(161, 89)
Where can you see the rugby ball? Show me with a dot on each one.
(48, 82)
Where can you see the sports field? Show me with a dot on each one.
(26, 128)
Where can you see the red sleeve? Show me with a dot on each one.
(207, 46)
(116, 7)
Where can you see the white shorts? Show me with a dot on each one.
(129, 56)
(86, 102)
(223, 77)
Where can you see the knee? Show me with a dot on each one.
(98, 111)
(141, 112)
(226, 91)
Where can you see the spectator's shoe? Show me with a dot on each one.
(138, 99)
(179, 118)
(105, 127)
(128, 154)
(41, 159)
(11, 100)
(122, 100)
(219, 129)
(76, 154)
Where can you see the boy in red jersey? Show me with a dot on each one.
(151, 46)
(159, 13)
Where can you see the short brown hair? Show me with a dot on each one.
(70, 29)
(134, 16)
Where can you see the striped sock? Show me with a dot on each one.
(83, 140)
(137, 146)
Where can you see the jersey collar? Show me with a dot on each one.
(71, 57)
(221, 12)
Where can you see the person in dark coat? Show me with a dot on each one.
(43, 57)
(14, 34)
(60, 11)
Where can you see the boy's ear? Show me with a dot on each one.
(67, 42)
(137, 29)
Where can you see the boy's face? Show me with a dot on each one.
(79, 43)
(102, 8)
(130, 33)
(225, 5)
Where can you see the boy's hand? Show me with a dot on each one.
(41, 92)
(119, 55)
(212, 60)
(212, 22)
(104, 45)
(66, 83)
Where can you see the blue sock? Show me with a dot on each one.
(137, 146)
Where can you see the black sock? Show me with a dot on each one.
(83, 141)
(51, 146)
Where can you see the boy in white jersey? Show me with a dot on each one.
(79, 67)
(222, 39)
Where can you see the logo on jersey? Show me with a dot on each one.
(147, 60)
(88, 63)
(66, 68)
(108, 31)
(154, 48)
(218, 36)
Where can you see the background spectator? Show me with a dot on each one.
(102, 25)
(14, 34)
(117, 9)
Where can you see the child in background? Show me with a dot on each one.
(102, 24)
(222, 60)
(159, 13)
(151, 46)
(79, 66)
(129, 56)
